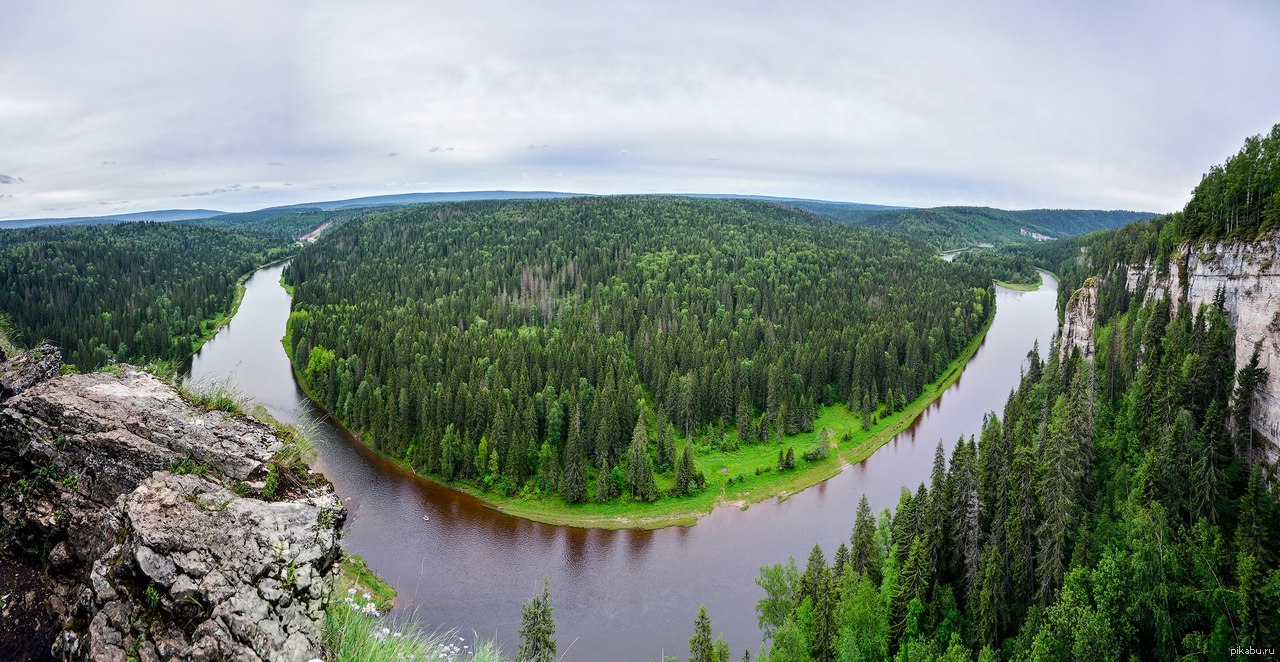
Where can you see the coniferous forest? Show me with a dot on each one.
(130, 292)
(563, 346)
(1117, 508)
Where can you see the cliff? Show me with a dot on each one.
(1078, 321)
(1249, 274)
(143, 526)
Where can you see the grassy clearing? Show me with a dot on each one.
(1025, 287)
(739, 466)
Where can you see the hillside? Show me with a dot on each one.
(158, 216)
(590, 347)
(959, 227)
(127, 292)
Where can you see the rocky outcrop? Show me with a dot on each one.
(24, 370)
(1078, 321)
(148, 514)
(1249, 275)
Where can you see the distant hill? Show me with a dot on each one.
(162, 216)
(957, 227)
(261, 215)
(943, 227)
(418, 198)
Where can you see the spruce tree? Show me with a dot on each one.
(574, 481)
(862, 548)
(700, 645)
(538, 628)
(683, 477)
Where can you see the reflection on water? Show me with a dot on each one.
(617, 594)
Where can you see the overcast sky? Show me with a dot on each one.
(109, 107)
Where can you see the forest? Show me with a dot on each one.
(574, 347)
(129, 292)
(1112, 511)
(283, 224)
(1118, 507)
(948, 228)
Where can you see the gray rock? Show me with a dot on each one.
(22, 371)
(154, 564)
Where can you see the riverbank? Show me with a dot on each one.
(210, 328)
(1023, 287)
(741, 477)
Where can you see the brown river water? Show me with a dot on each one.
(618, 595)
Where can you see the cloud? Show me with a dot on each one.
(199, 194)
(9, 179)
(1030, 105)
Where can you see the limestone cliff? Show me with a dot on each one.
(1078, 320)
(144, 517)
(1249, 274)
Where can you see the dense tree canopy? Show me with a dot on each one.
(127, 292)
(1111, 512)
(1240, 198)
(284, 224)
(553, 344)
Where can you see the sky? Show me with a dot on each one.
(113, 107)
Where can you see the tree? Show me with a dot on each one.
(700, 645)
(538, 628)
(640, 480)
(862, 548)
(1247, 381)
(781, 584)
(574, 486)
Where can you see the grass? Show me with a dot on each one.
(353, 635)
(356, 628)
(220, 395)
(719, 467)
(355, 574)
(1025, 287)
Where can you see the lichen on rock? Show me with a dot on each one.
(157, 560)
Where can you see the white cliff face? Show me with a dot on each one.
(1078, 321)
(1249, 272)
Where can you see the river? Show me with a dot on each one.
(618, 595)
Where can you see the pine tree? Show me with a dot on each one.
(538, 628)
(638, 448)
(574, 488)
(841, 561)
(1247, 381)
(862, 547)
(700, 645)
(684, 477)
(745, 416)
(913, 582)
(604, 485)
(640, 480)
(935, 513)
